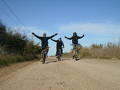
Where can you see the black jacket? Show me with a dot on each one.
(75, 39)
(59, 43)
(44, 40)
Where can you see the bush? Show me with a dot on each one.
(15, 47)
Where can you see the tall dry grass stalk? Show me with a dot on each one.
(110, 50)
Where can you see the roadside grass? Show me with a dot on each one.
(100, 51)
(6, 60)
(16, 47)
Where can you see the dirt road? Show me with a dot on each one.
(65, 75)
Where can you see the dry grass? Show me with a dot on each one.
(6, 60)
(108, 51)
(15, 47)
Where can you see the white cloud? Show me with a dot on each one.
(91, 28)
(27, 30)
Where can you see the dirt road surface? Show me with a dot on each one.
(84, 74)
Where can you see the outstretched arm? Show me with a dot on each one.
(36, 36)
(53, 36)
(54, 40)
(79, 37)
(68, 38)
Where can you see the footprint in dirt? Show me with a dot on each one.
(61, 83)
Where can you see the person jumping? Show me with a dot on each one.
(59, 45)
(44, 40)
(75, 43)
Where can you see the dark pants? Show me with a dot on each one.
(59, 52)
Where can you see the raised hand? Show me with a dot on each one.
(33, 33)
(65, 37)
(56, 34)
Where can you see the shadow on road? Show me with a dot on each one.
(52, 60)
(47, 62)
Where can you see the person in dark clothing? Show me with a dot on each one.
(75, 43)
(75, 39)
(59, 45)
(44, 40)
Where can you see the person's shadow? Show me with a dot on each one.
(48, 62)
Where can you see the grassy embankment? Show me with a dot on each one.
(106, 51)
(15, 47)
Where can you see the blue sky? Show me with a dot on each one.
(99, 20)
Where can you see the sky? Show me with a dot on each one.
(99, 20)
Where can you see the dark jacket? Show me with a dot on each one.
(75, 39)
(59, 43)
(44, 40)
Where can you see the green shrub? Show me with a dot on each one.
(15, 47)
